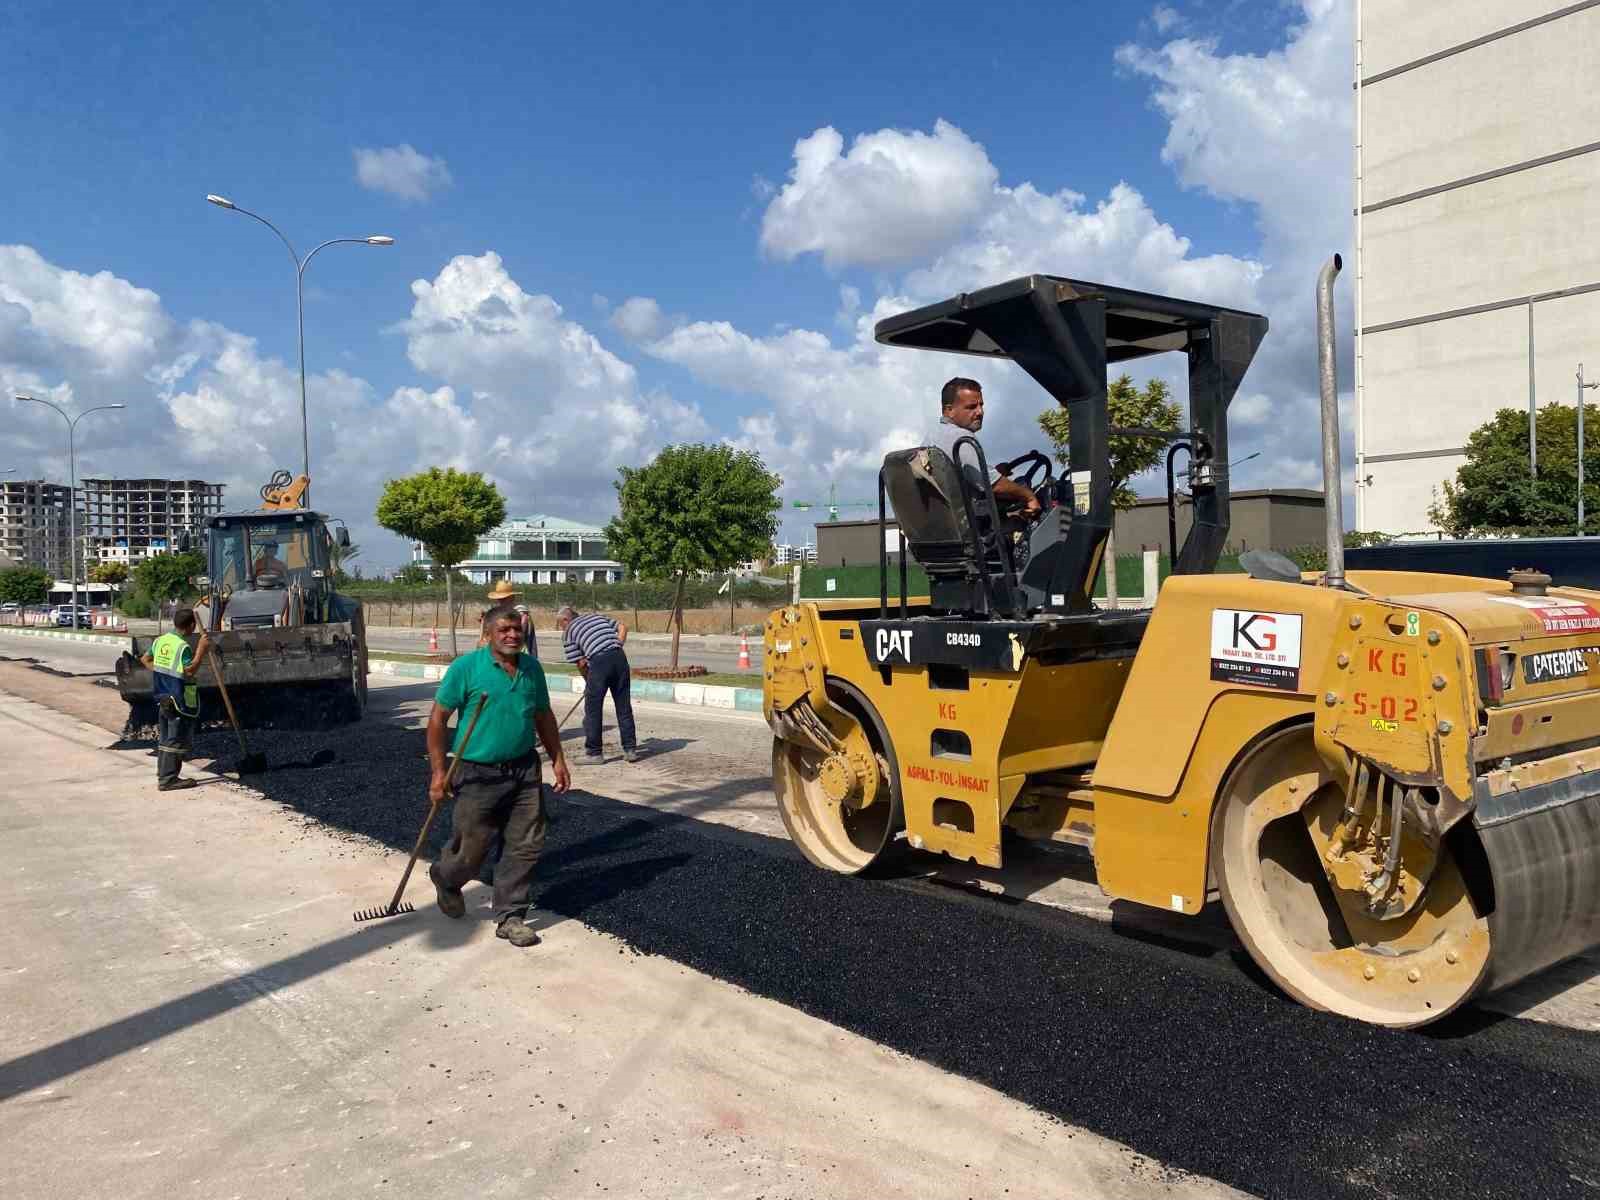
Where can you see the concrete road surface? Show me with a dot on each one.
(929, 1029)
(190, 1011)
(714, 766)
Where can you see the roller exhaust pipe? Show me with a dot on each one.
(1328, 379)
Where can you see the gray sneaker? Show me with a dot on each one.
(518, 932)
(630, 756)
(451, 902)
(593, 756)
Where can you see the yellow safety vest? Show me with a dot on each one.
(170, 654)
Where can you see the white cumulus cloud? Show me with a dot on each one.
(517, 390)
(401, 171)
(895, 197)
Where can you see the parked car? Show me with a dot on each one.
(62, 614)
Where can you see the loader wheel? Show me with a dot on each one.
(832, 835)
(1318, 944)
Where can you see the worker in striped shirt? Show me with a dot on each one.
(593, 641)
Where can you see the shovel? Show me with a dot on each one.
(396, 906)
(249, 764)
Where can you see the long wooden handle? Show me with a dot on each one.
(227, 703)
(433, 809)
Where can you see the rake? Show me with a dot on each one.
(249, 764)
(396, 907)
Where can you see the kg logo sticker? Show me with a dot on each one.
(1259, 649)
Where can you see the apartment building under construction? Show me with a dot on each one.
(35, 523)
(125, 520)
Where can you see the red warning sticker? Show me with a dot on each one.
(1558, 615)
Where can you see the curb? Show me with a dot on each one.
(64, 634)
(661, 691)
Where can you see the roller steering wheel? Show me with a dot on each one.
(1038, 463)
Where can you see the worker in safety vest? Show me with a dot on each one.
(174, 658)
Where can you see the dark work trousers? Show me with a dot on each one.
(496, 800)
(174, 740)
(608, 672)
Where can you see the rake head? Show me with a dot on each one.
(373, 914)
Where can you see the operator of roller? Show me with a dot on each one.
(961, 415)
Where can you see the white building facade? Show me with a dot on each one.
(1477, 231)
(538, 549)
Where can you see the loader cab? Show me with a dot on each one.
(985, 563)
(254, 560)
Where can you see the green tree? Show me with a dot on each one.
(1126, 407)
(114, 573)
(412, 574)
(163, 577)
(694, 508)
(24, 585)
(341, 557)
(1495, 492)
(447, 511)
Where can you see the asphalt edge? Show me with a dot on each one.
(702, 695)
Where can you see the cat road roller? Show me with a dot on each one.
(1391, 779)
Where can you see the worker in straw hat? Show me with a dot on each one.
(503, 593)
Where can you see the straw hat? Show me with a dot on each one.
(502, 590)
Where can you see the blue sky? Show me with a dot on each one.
(603, 153)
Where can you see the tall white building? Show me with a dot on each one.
(1478, 230)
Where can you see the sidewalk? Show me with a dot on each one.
(191, 1012)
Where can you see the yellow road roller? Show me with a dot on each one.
(1391, 779)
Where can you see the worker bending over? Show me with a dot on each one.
(498, 782)
(174, 658)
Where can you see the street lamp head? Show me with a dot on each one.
(33, 399)
(219, 201)
(380, 240)
(116, 406)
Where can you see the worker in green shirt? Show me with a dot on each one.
(497, 786)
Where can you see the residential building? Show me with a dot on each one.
(538, 549)
(789, 554)
(36, 524)
(126, 520)
(1477, 266)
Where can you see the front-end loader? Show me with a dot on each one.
(1391, 780)
(292, 650)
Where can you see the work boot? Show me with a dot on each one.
(176, 785)
(518, 932)
(451, 902)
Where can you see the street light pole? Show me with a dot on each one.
(72, 490)
(300, 265)
(1581, 386)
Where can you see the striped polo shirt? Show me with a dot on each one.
(589, 636)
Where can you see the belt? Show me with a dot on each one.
(517, 767)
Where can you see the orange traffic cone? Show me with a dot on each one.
(744, 652)
(433, 640)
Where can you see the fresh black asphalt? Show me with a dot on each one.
(1187, 1056)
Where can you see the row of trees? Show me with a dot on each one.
(693, 508)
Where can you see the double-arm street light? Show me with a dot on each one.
(300, 312)
(72, 493)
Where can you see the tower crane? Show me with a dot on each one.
(834, 504)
